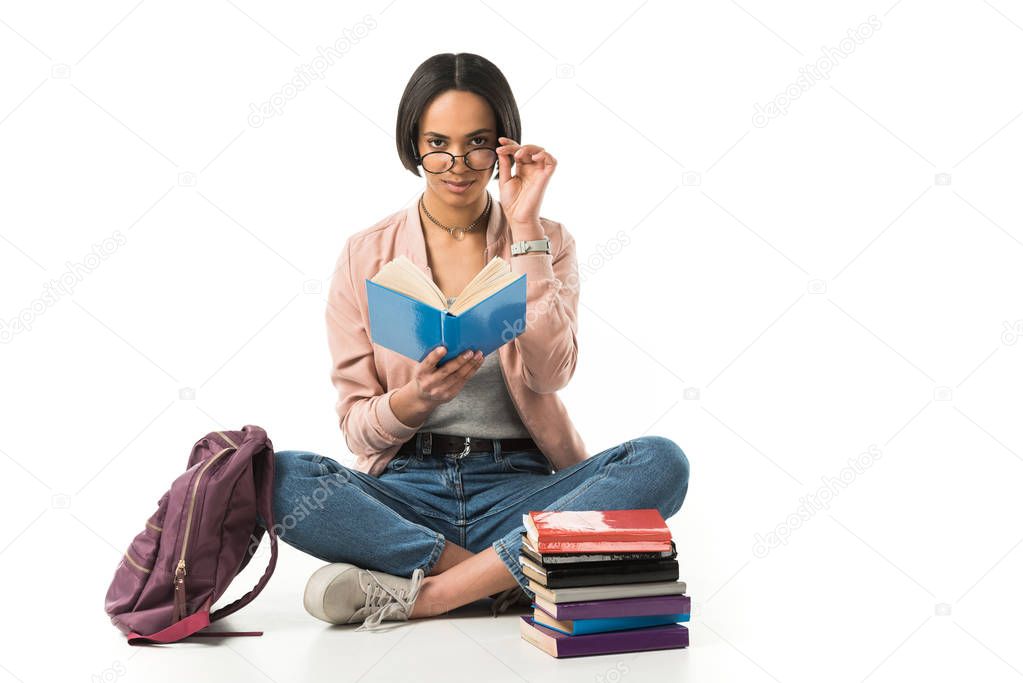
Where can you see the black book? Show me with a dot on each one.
(600, 573)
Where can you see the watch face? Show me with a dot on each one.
(526, 247)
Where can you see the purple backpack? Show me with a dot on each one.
(203, 533)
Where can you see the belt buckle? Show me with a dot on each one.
(465, 450)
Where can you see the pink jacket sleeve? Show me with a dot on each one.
(363, 406)
(549, 348)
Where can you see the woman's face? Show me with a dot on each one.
(457, 122)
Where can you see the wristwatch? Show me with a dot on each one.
(531, 246)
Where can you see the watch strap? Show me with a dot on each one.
(531, 246)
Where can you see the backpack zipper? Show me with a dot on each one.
(131, 560)
(180, 571)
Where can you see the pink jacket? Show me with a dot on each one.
(535, 364)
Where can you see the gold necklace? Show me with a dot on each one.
(455, 231)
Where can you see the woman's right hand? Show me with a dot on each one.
(431, 386)
(435, 385)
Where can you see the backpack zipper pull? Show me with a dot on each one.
(179, 591)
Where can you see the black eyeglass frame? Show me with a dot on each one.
(464, 157)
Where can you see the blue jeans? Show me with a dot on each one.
(399, 521)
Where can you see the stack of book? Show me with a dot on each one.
(605, 581)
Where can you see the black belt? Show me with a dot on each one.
(459, 446)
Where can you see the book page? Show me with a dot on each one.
(493, 277)
(402, 275)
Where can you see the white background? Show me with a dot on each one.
(792, 295)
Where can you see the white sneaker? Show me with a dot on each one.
(341, 593)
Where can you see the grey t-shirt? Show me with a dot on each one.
(482, 409)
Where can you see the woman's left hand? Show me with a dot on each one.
(522, 193)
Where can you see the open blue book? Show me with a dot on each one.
(408, 312)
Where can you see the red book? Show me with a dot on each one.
(576, 531)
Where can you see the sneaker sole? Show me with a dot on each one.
(316, 589)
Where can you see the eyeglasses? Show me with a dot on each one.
(479, 159)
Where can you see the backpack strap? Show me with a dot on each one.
(183, 628)
(264, 502)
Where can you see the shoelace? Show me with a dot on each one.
(386, 601)
(507, 598)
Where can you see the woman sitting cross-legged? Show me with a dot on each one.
(449, 457)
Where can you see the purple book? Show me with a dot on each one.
(652, 605)
(557, 644)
